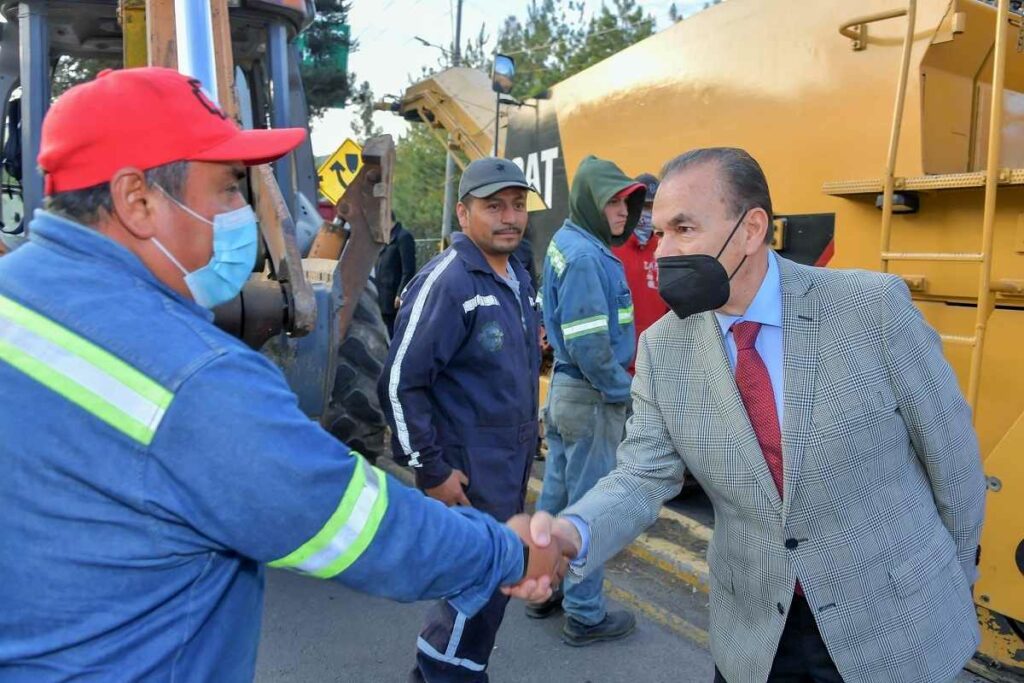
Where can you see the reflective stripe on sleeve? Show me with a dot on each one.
(585, 326)
(557, 260)
(81, 372)
(625, 315)
(350, 528)
(395, 380)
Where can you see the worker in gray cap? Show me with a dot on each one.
(460, 390)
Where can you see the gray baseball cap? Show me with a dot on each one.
(484, 177)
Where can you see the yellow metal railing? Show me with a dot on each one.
(993, 176)
(995, 130)
(857, 29)
(894, 132)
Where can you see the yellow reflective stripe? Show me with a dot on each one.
(365, 537)
(81, 372)
(625, 315)
(585, 326)
(322, 538)
(557, 260)
(75, 393)
(124, 373)
(349, 529)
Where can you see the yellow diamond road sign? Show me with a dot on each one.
(340, 169)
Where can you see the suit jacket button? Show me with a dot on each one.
(782, 610)
(792, 543)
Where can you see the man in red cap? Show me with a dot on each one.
(641, 266)
(151, 464)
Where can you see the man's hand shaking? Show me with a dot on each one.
(553, 542)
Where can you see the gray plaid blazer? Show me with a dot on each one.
(883, 485)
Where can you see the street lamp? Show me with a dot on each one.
(427, 43)
(501, 83)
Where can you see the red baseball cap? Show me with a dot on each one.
(144, 118)
(628, 190)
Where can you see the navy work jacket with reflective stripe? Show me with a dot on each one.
(464, 365)
(588, 312)
(149, 465)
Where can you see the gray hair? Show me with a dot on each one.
(745, 186)
(83, 206)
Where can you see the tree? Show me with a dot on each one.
(609, 31)
(325, 63)
(418, 189)
(364, 127)
(554, 41)
(70, 71)
(540, 45)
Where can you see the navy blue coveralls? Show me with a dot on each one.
(460, 391)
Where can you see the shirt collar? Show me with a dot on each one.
(766, 308)
(475, 258)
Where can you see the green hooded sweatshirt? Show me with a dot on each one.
(596, 182)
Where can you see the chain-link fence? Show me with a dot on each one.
(426, 249)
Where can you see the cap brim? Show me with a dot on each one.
(254, 147)
(630, 189)
(535, 199)
(488, 190)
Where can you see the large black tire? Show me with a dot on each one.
(354, 415)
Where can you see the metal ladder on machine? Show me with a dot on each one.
(992, 176)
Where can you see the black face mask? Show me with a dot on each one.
(698, 282)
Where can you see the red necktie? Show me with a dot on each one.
(758, 398)
(755, 387)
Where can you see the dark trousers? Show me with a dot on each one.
(389, 322)
(452, 648)
(801, 657)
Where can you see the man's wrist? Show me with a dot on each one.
(435, 476)
(581, 537)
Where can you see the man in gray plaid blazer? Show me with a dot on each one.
(831, 437)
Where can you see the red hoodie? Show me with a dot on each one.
(642, 278)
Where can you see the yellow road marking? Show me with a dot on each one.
(656, 614)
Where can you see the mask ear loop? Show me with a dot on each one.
(166, 252)
(170, 256)
(182, 206)
(729, 239)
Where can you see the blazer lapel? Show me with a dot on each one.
(800, 324)
(722, 382)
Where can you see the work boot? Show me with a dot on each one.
(618, 624)
(543, 610)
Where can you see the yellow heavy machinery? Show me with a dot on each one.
(875, 125)
(308, 305)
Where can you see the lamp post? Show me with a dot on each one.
(501, 83)
(449, 163)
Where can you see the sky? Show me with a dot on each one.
(388, 52)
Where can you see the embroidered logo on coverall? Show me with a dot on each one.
(491, 337)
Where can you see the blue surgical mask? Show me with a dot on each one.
(644, 228)
(235, 238)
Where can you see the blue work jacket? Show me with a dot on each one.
(461, 382)
(588, 312)
(150, 464)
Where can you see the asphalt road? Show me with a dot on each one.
(319, 631)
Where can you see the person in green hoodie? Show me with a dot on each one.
(589, 317)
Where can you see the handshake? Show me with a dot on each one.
(552, 542)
